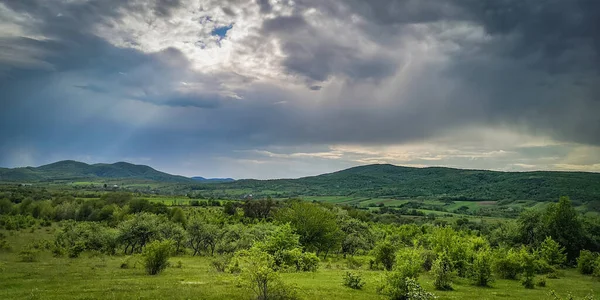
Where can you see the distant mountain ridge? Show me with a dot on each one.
(75, 170)
(385, 180)
(202, 179)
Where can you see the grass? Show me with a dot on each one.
(100, 277)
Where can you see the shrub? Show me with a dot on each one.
(398, 287)
(597, 267)
(220, 263)
(506, 264)
(308, 262)
(528, 267)
(442, 272)
(541, 282)
(353, 263)
(28, 255)
(555, 296)
(4, 245)
(541, 266)
(258, 276)
(156, 256)
(75, 250)
(585, 262)
(353, 281)
(552, 252)
(481, 273)
(385, 254)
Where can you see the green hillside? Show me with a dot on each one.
(74, 170)
(454, 184)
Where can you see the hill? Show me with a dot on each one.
(74, 170)
(384, 180)
(202, 179)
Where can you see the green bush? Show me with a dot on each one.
(552, 252)
(258, 275)
(308, 262)
(481, 272)
(442, 272)
(75, 250)
(541, 282)
(528, 267)
(597, 267)
(398, 287)
(507, 264)
(428, 258)
(385, 254)
(353, 281)
(220, 263)
(156, 256)
(353, 263)
(28, 255)
(585, 262)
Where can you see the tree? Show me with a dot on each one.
(357, 236)
(258, 209)
(136, 232)
(482, 268)
(442, 272)
(174, 232)
(316, 225)
(203, 236)
(585, 262)
(178, 216)
(564, 226)
(527, 265)
(552, 252)
(385, 254)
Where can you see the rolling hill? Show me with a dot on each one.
(384, 180)
(74, 170)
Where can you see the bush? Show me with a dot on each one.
(28, 255)
(156, 256)
(75, 250)
(385, 254)
(308, 262)
(353, 281)
(541, 282)
(528, 267)
(552, 252)
(597, 267)
(555, 296)
(220, 263)
(481, 273)
(506, 264)
(258, 275)
(353, 263)
(398, 287)
(442, 272)
(585, 262)
(128, 262)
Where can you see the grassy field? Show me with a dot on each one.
(101, 277)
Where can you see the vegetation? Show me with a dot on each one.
(283, 249)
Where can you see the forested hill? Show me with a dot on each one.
(394, 181)
(74, 170)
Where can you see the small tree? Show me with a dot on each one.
(552, 252)
(156, 256)
(528, 266)
(442, 272)
(385, 254)
(258, 275)
(481, 272)
(507, 263)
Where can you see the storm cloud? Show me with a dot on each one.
(295, 88)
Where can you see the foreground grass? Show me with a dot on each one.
(101, 277)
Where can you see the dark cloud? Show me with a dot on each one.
(528, 65)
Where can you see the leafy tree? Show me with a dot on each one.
(174, 232)
(442, 272)
(385, 254)
(315, 224)
(507, 263)
(137, 232)
(258, 209)
(527, 265)
(156, 256)
(481, 273)
(178, 216)
(357, 236)
(552, 252)
(203, 236)
(563, 224)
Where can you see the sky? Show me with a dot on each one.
(284, 89)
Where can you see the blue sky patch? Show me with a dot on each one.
(221, 32)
